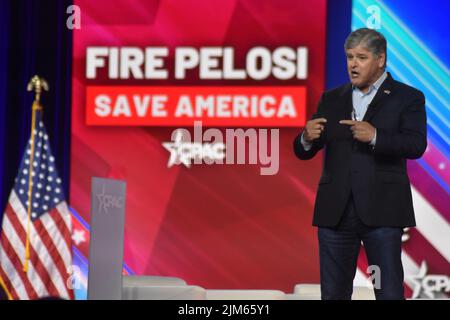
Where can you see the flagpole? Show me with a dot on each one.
(38, 85)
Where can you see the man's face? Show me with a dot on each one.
(364, 68)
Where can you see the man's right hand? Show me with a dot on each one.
(314, 129)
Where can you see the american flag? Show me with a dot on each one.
(49, 230)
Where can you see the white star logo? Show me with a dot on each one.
(417, 279)
(176, 151)
(78, 236)
(429, 284)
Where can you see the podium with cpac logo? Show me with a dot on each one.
(106, 240)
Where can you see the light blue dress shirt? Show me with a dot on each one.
(361, 102)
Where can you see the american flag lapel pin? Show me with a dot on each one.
(387, 91)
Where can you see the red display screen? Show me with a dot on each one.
(142, 69)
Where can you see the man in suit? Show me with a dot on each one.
(369, 128)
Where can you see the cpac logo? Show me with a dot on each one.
(236, 146)
(182, 152)
(107, 201)
(429, 284)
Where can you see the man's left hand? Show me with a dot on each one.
(361, 130)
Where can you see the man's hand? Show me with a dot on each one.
(362, 130)
(314, 129)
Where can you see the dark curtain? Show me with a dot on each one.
(34, 39)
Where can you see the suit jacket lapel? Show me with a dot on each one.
(383, 92)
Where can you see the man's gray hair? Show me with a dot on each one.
(372, 40)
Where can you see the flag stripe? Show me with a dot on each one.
(11, 278)
(63, 220)
(52, 225)
(52, 247)
(63, 214)
(56, 227)
(431, 224)
(66, 216)
(41, 280)
(40, 256)
(14, 248)
(15, 262)
(420, 249)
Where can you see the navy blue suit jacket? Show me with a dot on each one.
(377, 176)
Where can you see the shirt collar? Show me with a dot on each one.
(375, 86)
